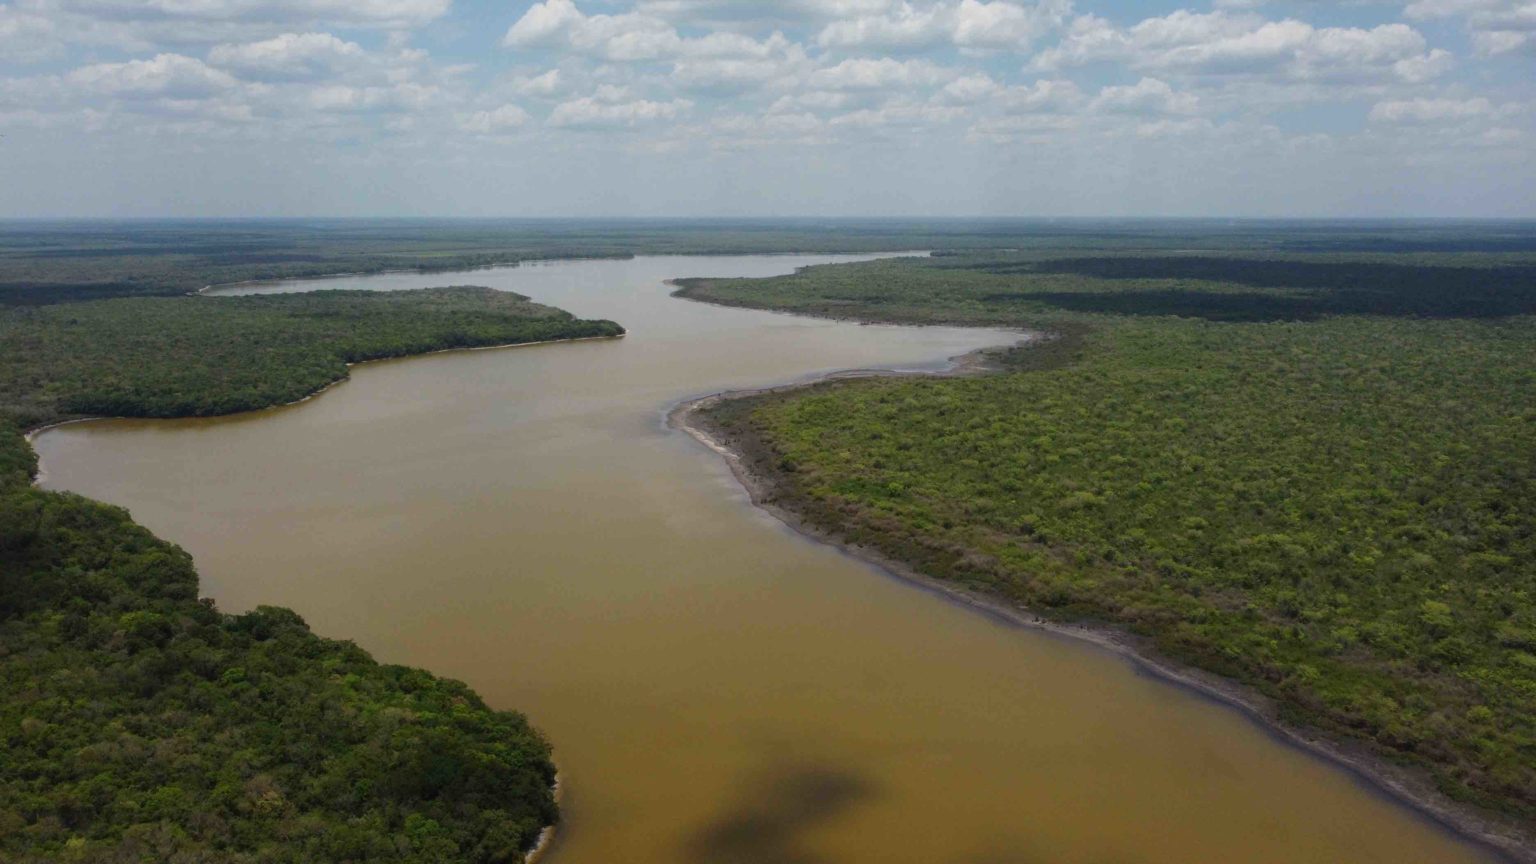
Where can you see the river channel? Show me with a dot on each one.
(717, 688)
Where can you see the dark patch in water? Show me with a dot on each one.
(769, 824)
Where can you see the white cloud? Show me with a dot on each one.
(170, 76)
(1147, 96)
(732, 75)
(723, 64)
(971, 88)
(544, 24)
(291, 56)
(349, 99)
(559, 25)
(1233, 44)
(543, 85)
(1169, 128)
(1007, 25)
(356, 13)
(605, 110)
(501, 119)
(1047, 96)
(1001, 24)
(878, 74)
(1497, 26)
(1430, 110)
(900, 112)
(26, 36)
(737, 13)
(811, 100)
(905, 26)
(191, 26)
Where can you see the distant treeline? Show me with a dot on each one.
(54, 262)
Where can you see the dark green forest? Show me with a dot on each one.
(1314, 475)
(196, 356)
(139, 723)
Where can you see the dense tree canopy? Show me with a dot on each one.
(192, 356)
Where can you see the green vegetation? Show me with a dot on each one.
(1339, 510)
(139, 723)
(193, 356)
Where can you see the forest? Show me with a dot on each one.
(197, 356)
(1312, 475)
(51, 262)
(140, 723)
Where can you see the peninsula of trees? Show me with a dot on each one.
(140, 723)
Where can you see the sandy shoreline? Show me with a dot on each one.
(1505, 839)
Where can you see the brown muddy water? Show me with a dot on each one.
(717, 688)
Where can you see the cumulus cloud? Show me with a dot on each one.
(1047, 96)
(35, 29)
(610, 110)
(731, 75)
(503, 118)
(354, 13)
(1001, 24)
(170, 76)
(1497, 26)
(349, 99)
(1232, 44)
(898, 112)
(544, 84)
(879, 74)
(1147, 96)
(291, 56)
(25, 36)
(1430, 110)
(559, 25)
(971, 88)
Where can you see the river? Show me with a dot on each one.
(717, 688)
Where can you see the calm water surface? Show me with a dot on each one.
(717, 689)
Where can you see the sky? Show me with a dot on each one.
(635, 108)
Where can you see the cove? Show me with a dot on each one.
(717, 688)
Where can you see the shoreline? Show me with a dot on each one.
(215, 287)
(1409, 787)
(547, 835)
(516, 262)
(31, 434)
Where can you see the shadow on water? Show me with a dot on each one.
(769, 822)
(773, 822)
